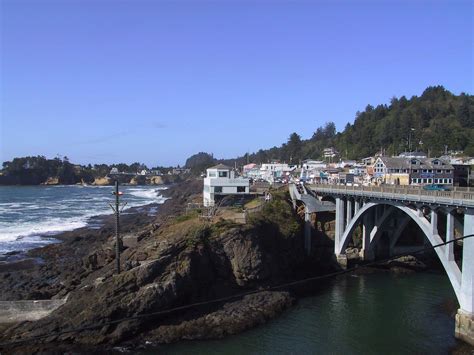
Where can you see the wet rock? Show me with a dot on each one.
(246, 260)
(234, 317)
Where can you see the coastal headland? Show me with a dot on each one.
(178, 259)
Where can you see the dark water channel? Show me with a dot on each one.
(378, 313)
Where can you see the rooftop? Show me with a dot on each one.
(220, 167)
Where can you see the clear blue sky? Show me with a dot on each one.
(156, 81)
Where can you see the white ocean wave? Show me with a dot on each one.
(14, 204)
(11, 232)
(24, 224)
(150, 194)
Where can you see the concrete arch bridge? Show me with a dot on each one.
(387, 211)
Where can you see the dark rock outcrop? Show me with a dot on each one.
(170, 266)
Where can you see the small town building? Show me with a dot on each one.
(417, 171)
(392, 170)
(330, 153)
(312, 171)
(276, 170)
(313, 164)
(415, 154)
(220, 181)
(358, 170)
(345, 163)
(345, 178)
(369, 161)
(179, 171)
(156, 172)
(251, 171)
(431, 171)
(462, 173)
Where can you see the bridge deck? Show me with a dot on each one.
(314, 205)
(457, 198)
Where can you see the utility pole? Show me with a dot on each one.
(117, 212)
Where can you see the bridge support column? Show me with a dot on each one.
(465, 316)
(357, 206)
(434, 222)
(307, 232)
(339, 226)
(349, 212)
(449, 236)
(366, 252)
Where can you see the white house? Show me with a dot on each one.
(312, 170)
(314, 165)
(275, 170)
(251, 171)
(330, 153)
(221, 180)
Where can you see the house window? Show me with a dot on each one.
(430, 181)
(439, 171)
(436, 162)
(425, 171)
(240, 188)
(212, 174)
(415, 170)
(217, 189)
(430, 171)
(222, 173)
(448, 171)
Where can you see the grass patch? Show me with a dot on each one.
(186, 217)
(202, 233)
(278, 212)
(253, 203)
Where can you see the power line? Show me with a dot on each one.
(228, 298)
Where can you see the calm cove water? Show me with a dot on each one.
(379, 313)
(30, 215)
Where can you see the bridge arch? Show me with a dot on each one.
(449, 264)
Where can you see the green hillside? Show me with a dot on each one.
(431, 121)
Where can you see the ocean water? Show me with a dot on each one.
(31, 215)
(380, 313)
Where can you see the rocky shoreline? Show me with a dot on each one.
(178, 260)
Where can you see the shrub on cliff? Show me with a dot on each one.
(279, 213)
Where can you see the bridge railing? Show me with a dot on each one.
(416, 193)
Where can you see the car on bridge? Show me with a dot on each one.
(436, 187)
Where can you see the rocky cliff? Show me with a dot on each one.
(178, 260)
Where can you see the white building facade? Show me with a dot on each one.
(272, 171)
(220, 180)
